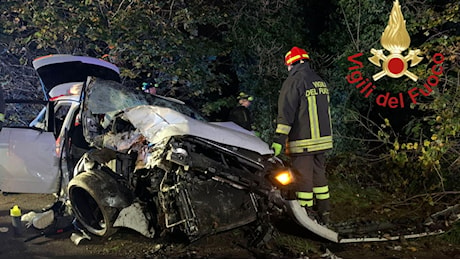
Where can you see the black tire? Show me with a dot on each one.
(88, 205)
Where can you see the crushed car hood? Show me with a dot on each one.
(157, 123)
(158, 117)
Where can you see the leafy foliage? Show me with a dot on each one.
(417, 146)
(199, 51)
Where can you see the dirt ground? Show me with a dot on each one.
(231, 244)
(124, 244)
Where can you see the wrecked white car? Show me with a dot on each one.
(119, 157)
(158, 165)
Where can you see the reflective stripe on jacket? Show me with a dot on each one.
(303, 111)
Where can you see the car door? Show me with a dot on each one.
(29, 162)
(27, 154)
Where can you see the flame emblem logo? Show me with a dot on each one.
(395, 39)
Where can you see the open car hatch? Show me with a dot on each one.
(58, 69)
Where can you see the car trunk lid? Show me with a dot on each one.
(57, 69)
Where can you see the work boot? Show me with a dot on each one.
(312, 213)
(324, 212)
(324, 218)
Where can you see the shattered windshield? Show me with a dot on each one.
(106, 96)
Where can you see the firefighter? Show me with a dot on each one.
(241, 114)
(149, 88)
(304, 132)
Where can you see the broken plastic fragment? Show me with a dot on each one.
(38, 220)
(76, 238)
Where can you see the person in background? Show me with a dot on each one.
(304, 131)
(241, 115)
(150, 88)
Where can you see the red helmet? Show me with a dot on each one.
(294, 55)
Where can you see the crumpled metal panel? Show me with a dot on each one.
(162, 117)
(133, 217)
(157, 123)
(219, 207)
(301, 217)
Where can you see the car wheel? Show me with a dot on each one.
(88, 205)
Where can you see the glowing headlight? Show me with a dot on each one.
(284, 177)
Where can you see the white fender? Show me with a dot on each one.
(301, 217)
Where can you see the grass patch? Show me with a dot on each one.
(296, 246)
(453, 235)
(351, 201)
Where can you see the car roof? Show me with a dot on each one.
(57, 69)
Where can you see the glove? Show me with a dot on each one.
(279, 142)
(277, 148)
